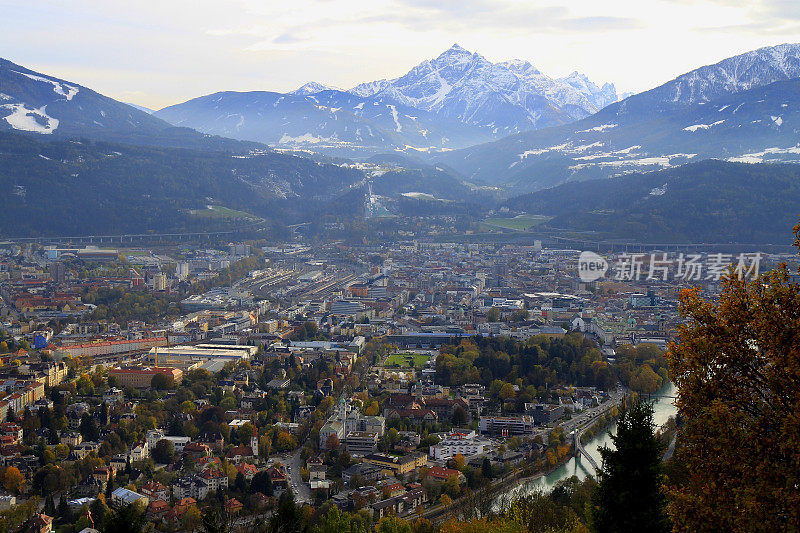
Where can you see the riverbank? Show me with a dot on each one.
(663, 408)
(603, 422)
(502, 492)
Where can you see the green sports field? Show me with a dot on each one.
(520, 223)
(406, 360)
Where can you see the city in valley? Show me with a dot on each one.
(400, 266)
(392, 378)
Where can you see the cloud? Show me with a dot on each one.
(175, 50)
(288, 38)
(756, 17)
(602, 24)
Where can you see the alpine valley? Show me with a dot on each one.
(458, 135)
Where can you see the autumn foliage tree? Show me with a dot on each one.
(13, 479)
(737, 369)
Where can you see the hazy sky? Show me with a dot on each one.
(157, 53)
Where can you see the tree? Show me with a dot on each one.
(110, 486)
(486, 468)
(507, 392)
(445, 500)
(331, 443)
(335, 521)
(286, 442)
(63, 510)
(13, 479)
(49, 506)
(286, 519)
(629, 496)
(262, 483)
(459, 416)
(215, 520)
(126, 519)
(452, 486)
(88, 428)
(245, 433)
(392, 524)
(459, 462)
(737, 370)
(538, 512)
(192, 519)
(493, 314)
(162, 382)
(164, 451)
(240, 483)
(99, 511)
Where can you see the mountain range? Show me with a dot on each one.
(456, 100)
(72, 159)
(507, 97)
(744, 108)
(45, 105)
(330, 122)
(705, 202)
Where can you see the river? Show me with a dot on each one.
(663, 408)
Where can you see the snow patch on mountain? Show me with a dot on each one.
(34, 120)
(759, 157)
(695, 127)
(602, 127)
(58, 87)
(398, 128)
(305, 138)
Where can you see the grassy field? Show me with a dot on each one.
(406, 360)
(520, 223)
(218, 211)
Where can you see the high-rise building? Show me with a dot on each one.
(58, 272)
(182, 270)
(160, 282)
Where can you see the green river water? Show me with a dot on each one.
(663, 408)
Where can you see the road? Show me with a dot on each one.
(301, 490)
(578, 421)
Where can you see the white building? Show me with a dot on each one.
(464, 443)
(140, 452)
(507, 425)
(122, 496)
(155, 435)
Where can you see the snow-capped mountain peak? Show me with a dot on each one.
(520, 67)
(734, 74)
(313, 87)
(599, 96)
(505, 97)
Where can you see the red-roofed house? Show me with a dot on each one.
(155, 491)
(233, 506)
(247, 470)
(278, 476)
(439, 473)
(240, 453)
(157, 510)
